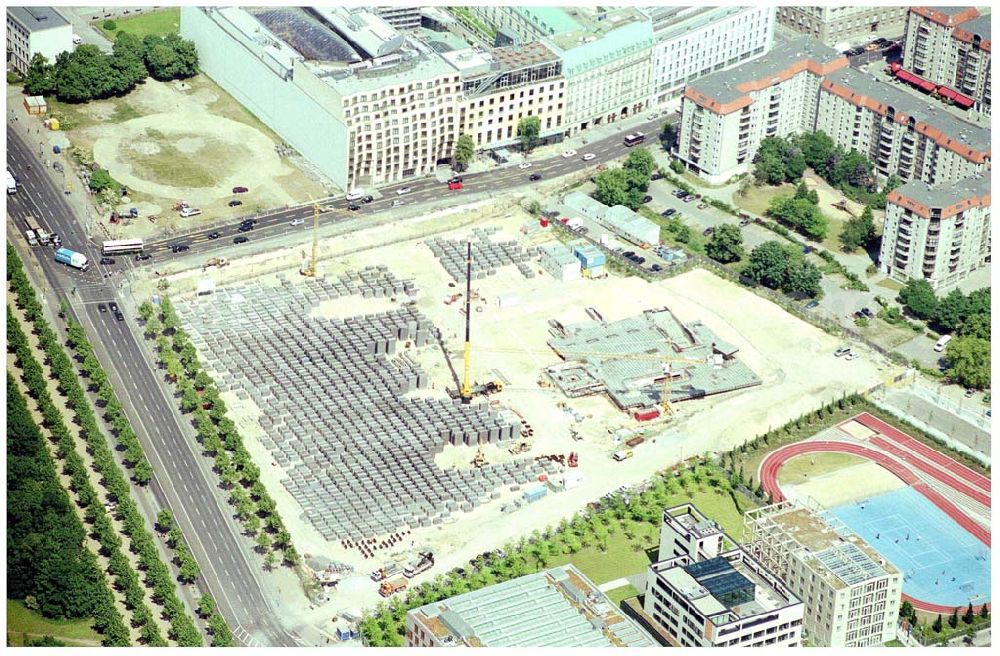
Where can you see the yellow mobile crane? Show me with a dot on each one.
(311, 270)
(469, 389)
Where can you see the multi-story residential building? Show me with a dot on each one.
(606, 55)
(400, 17)
(951, 46)
(556, 608)
(691, 42)
(939, 234)
(725, 115)
(36, 30)
(850, 591)
(900, 132)
(835, 25)
(705, 591)
(502, 86)
(363, 103)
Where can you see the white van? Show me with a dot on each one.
(941, 343)
(77, 40)
(356, 194)
(190, 211)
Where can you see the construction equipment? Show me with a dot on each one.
(310, 269)
(520, 447)
(469, 389)
(424, 561)
(480, 459)
(574, 459)
(383, 573)
(215, 262)
(389, 588)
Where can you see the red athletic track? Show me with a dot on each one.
(936, 457)
(927, 468)
(774, 461)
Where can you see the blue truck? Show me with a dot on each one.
(72, 258)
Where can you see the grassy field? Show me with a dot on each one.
(625, 556)
(21, 621)
(890, 284)
(815, 464)
(758, 199)
(624, 592)
(160, 23)
(886, 334)
(171, 166)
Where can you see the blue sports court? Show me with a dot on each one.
(941, 562)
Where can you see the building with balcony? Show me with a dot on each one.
(951, 46)
(36, 30)
(691, 42)
(556, 608)
(850, 591)
(360, 101)
(835, 25)
(400, 17)
(938, 234)
(900, 132)
(704, 591)
(725, 115)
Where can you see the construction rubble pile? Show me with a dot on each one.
(358, 454)
(487, 255)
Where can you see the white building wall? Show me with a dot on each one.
(22, 45)
(729, 39)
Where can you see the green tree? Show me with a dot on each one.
(906, 610)
(528, 130)
(968, 362)
(186, 54)
(768, 264)
(263, 542)
(951, 311)
(128, 59)
(816, 150)
(918, 297)
(800, 213)
(100, 180)
(161, 61)
(206, 605)
(802, 277)
(953, 620)
(937, 625)
(40, 78)
(970, 615)
(852, 169)
(858, 231)
(677, 166)
(109, 26)
(165, 520)
(778, 161)
(668, 135)
(465, 148)
(984, 611)
(726, 244)
(612, 187)
(641, 161)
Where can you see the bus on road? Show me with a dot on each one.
(634, 139)
(121, 246)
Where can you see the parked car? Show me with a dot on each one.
(569, 153)
(240, 190)
(398, 202)
(101, 307)
(113, 306)
(669, 212)
(656, 176)
(403, 190)
(367, 199)
(639, 260)
(709, 230)
(678, 193)
(689, 199)
(235, 203)
(969, 393)
(647, 199)
(868, 313)
(107, 260)
(629, 254)
(745, 222)
(656, 267)
(806, 250)
(850, 355)
(354, 207)
(241, 240)
(589, 156)
(179, 248)
(841, 351)
(702, 206)
(214, 235)
(812, 304)
(296, 222)
(246, 227)
(142, 257)
(534, 177)
(119, 316)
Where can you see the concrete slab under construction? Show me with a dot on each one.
(340, 402)
(630, 359)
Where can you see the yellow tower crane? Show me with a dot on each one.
(310, 270)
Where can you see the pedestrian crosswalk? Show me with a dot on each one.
(244, 637)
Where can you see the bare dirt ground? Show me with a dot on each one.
(794, 360)
(189, 141)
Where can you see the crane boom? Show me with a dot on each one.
(466, 393)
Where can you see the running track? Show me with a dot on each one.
(774, 461)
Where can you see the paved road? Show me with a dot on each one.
(182, 480)
(422, 191)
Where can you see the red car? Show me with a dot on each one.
(240, 190)
(454, 184)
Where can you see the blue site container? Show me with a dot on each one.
(535, 493)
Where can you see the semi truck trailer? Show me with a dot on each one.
(72, 258)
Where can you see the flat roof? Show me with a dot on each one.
(724, 86)
(955, 132)
(553, 20)
(559, 607)
(37, 19)
(945, 195)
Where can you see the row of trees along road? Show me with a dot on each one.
(86, 73)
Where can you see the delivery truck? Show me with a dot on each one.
(72, 258)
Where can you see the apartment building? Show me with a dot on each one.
(835, 25)
(704, 591)
(502, 86)
(850, 591)
(363, 103)
(951, 46)
(36, 30)
(691, 42)
(725, 115)
(556, 608)
(400, 17)
(900, 132)
(938, 234)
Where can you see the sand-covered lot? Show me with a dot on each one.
(794, 360)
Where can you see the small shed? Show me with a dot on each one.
(36, 105)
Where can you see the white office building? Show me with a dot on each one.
(691, 42)
(705, 591)
(851, 592)
(938, 234)
(36, 30)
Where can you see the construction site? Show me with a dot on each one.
(434, 389)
